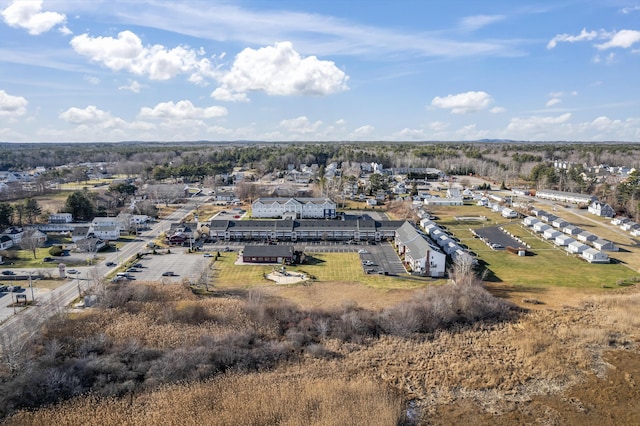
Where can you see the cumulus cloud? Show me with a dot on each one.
(280, 70)
(568, 38)
(133, 86)
(12, 106)
(630, 9)
(620, 39)
(224, 94)
(553, 101)
(497, 110)
(300, 125)
(88, 115)
(28, 14)
(623, 39)
(182, 110)
(127, 53)
(362, 132)
(463, 103)
(536, 125)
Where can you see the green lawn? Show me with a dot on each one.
(325, 267)
(549, 265)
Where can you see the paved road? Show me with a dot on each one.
(23, 322)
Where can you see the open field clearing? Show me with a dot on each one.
(572, 365)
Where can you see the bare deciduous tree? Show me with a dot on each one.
(32, 240)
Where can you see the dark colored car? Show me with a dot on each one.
(168, 274)
(110, 264)
(8, 273)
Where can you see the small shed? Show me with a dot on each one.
(559, 223)
(540, 227)
(530, 220)
(267, 254)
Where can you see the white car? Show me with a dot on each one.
(73, 271)
(362, 251)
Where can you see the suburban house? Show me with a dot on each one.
(268, 254)
(604, 245)
(551, 234)
(571, 230)
(565, 197)
(592, 255)
(509, 213)
(438, 201)
(304, 208)
(15, 233)
(60, 218)
(563, 240)
(577, 247)
(530, 220)
(419, 254)
(105, 228)
(586, 237)
(5, 242)
(601, 209)
(79, 233)
(540, 227)
(559, 223)
(90, 245)
(617, 221)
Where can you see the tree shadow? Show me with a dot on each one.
(310, 260)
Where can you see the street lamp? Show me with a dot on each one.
(33, 299)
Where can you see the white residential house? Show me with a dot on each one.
(371, 202)
(105, 228)
(435, 201)
(559, 223)
(15, 233)
(577, 247)
(60, 218)
(617, 221)
(592, 255)
(421, 256)
(509, 213)
(551, 233)
(604, 245)
(540, 227)
(304, 208)
(563, 240)
(601, 209)
(5, 242)
(586, 237)
(629, 226)
(79, 233)
(530, 220)
(567, 197)
(571, 230)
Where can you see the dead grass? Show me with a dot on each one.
(258, 399)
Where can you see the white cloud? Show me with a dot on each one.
(300, 125)
(629, 9)
(341, 122)
(91, 79)
(12, 106)
(464, 103)
(470, 132)
(28, 14)
(567, 38)
(410, 134)
(536, 126)
(438, 126)
(224, 94)
(623, 39)
(133, 86)
(497, 110)
(182, 110)
(472, 23)
(280, 70)
(88, 115)
(553, 101)
(362, 132)
(126, 53)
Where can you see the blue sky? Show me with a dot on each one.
(319, 70)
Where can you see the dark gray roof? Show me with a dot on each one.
(268, 251)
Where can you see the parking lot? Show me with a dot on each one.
(183, 266)
(496, 238)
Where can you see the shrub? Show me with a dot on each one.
(56, 251)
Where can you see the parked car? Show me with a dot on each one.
(48, 259)
(72, 271)
(133, 270)
(168, 274)
(4, 288)
(110, 264)
(7, 272)
(16, 288)
(138, 265)
(208, 255)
